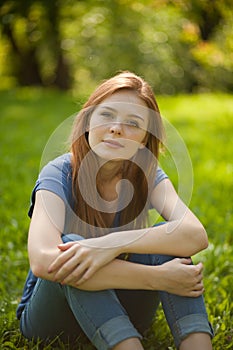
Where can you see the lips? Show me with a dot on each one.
(113, 143)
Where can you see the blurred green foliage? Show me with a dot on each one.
(178, 46)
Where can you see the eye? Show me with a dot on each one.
(107, 114)
(133, 123)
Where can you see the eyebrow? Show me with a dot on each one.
(131, 115)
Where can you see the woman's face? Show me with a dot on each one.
(118, 126)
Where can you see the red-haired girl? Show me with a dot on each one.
(96, 267)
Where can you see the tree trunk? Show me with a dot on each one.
(62, 74)
(28, 70)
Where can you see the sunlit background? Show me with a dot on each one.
(179, 45)
(52, 55)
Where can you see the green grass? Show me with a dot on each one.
(205, 123)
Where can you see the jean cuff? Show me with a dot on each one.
(113, 332)
(195, 323)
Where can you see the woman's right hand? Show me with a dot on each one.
(80, 260)
(179, 277)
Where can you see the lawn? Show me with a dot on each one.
(203, 126)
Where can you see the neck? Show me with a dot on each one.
(110, 170)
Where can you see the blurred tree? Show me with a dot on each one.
(141, 36)
(109, 35)
(177, 45)
(212, 50)
(31, 27)
(207, 14)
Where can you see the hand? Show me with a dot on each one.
(181, 278)
(79, 261)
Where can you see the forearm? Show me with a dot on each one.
(174, 238)
(121, 274)
(176, 276)
(117, 274)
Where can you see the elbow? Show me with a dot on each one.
(202, 237)
(199, 238)
(37, 270)
(37, 267)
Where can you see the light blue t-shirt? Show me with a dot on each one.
(56, 177)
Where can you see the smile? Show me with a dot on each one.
(113, 143)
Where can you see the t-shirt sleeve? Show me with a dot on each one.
(160, 175)
(54, 177)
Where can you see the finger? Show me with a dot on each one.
(198, 286)
(186, 261)
(86, 276)
(196, 270)
(61, 260)
(65, 246)
(200, 266)
(68, 269)
(199, 278)
(196, 293)
(77, 274)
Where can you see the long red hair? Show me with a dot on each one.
(91, 221)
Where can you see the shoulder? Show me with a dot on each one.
(56, 177)
(61, 163)
(160, 175)
(57, 172)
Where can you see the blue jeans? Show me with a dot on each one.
(110, 316)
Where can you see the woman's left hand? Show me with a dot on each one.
(78, 261)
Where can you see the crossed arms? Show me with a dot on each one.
(92, 264)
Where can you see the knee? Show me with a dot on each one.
(159, 259)
(70, 237)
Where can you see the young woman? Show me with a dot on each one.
(96, 267)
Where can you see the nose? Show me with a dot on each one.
(116, 128)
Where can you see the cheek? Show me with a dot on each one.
(95, 136)
(131, 147)
(138, 136)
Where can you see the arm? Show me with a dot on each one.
(177, 277)
(45, 235)
(182, 235)
(45, 244)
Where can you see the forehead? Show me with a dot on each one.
(125, 96)
(126, 100)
